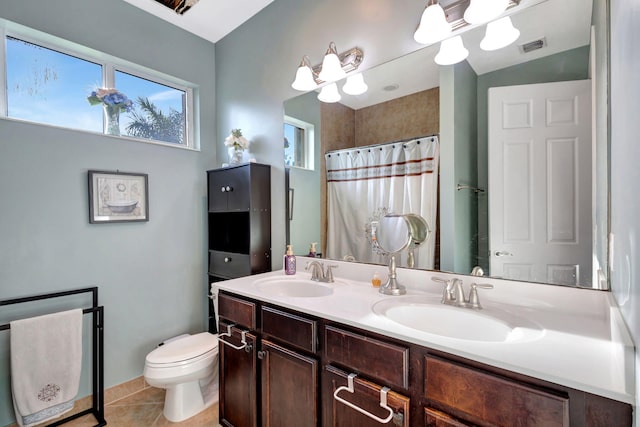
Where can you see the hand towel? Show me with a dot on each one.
(46, 361)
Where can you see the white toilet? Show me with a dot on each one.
(188, 368)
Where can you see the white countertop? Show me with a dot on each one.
(584, 344)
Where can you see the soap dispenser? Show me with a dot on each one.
(312, 250)
(289, 261)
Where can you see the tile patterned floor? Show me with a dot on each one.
(144, 409)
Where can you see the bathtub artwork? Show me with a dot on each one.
(118, 197)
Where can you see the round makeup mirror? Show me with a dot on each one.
(393, 233)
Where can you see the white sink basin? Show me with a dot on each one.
(291, 286)
(429, 315)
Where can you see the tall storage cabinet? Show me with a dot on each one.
(239, 223)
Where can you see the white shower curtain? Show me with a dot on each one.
(362, 182)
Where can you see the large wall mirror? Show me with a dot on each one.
(411, 96)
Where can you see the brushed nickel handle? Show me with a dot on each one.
(503, 253)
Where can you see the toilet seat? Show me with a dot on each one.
(188, 350)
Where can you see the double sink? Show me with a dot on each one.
(421, 313)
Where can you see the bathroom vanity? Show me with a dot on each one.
(307, 354)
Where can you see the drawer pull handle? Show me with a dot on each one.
(243, 340)
(227, 259)
(383, 400)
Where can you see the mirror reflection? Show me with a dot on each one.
(411, 97)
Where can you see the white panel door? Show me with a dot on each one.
(540, 182)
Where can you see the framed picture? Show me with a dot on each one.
(118, 197)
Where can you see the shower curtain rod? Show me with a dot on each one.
(365, 147)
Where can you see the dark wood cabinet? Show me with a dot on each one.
(287, 371)
(311, 371)
(239, 220)
(239, 223)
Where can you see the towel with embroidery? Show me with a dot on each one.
(46, 361)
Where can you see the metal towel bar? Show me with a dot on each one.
(243, 339)
(383, 400)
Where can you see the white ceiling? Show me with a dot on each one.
(209, 19)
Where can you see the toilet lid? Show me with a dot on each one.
(184, 348)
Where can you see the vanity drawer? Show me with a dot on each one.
(291, 328)
(386, 362)
(229, 264)
(483, 398)
(236, 310)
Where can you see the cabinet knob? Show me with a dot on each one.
(229, 188)
(223, 189)
(227, 259)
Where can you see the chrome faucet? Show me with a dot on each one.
(317, 271)
(453, 293)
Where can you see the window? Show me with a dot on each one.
(298, 143)
(157, 110)
(49, 81)
(43, 86)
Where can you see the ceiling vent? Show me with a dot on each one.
(534, 45)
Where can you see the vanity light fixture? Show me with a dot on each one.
(355, 85)
(500, 33)
(347, 61)
(334, 67)
(451, 51)
(439, 22)
(329, 93)
(433, 25)
(481, 11)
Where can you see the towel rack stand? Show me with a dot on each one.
(97, 311)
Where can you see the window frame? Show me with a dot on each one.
(110, 64)
(309, 141)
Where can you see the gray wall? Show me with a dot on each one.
(458, 145)
(151, 275)
(625, 174)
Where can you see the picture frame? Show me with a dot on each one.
(116, 196)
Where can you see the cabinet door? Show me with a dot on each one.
(238, 373)
(289, 387)
(229, 189)
(366, 396)
(216, 190)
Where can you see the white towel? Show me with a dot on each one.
(46, 361)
